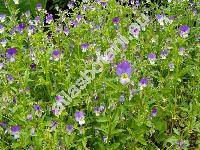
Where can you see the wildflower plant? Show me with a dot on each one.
(107, 75)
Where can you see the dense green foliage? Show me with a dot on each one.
(163, 113)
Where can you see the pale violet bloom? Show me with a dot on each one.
(104, 139)
(124, 71)
(2, 17)
(78, 18)
(3, 42)
(171, 66)
(143, 83)
(1, 65)
(30, 29)
(184, 31)
(152, 58)
(49, 18)
(11, 53)
(59, 100)
(164, 54)
(1, 29)
(15, 130)
(181, 51)
(39, 6)
(84, 47)
(70, 128)
(154, 112)
(66, 31)
(79, 117)
(134, 29)
(97, 111)
(160, 19)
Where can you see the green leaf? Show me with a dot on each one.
(176, 131)
(3, 9)
(117, 131)
(24, 5)
(103, 119)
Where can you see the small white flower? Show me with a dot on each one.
(16, 1)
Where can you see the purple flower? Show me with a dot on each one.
(131, 2)
(33, 66)
(124, 67)
(10, 79)
(116, 20)
(59, 29)
(2, 17)
(122, 99)
(37, 107)
(3, 42)
(84, 7)
(10, 54)
(15, 129)
(13, 31)
(1, 65)
(1, 29)
(11, 51)
(31, 29)
(74, 23)
(21, 27)
(39, 6)
(97, 110)
(104, 139)
(37, 19)
(180, 144)
(184, 31)
(137, 3)
(134, 29)
(56, 55)
(143, 83)
(78, 18)
(29, 117)
(103, 2)
(160, 19)
(79, 117)
(154, 112)
(164, 54)
(158, 16)
(59, 100)
(171, 66)
(66, 31)
(49, 18)
(70, 128)
(71, 5)
(152, 58)
(124, 70)
(181, 51)
(3, 124)
(84, 46)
